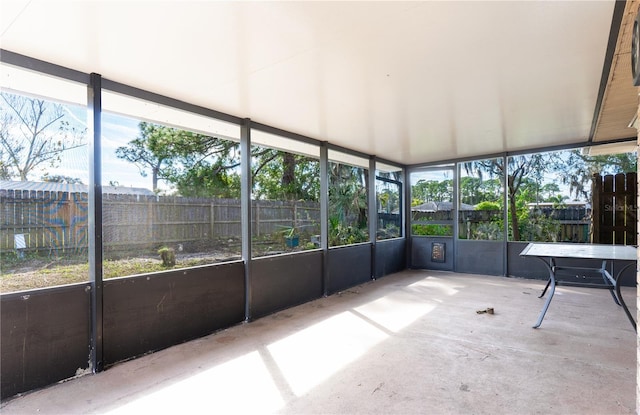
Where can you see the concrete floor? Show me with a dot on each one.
(409, 343)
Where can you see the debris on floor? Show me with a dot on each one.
(486, 310)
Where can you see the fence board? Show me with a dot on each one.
(615, 209)
(58, 221)
(619, 212)
(631, 209)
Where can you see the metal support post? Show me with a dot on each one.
(245, 209)
(324, 214)
(373, 212)
(94, 110)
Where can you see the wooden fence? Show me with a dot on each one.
(46, 220)
(615, 209)
(59, 220)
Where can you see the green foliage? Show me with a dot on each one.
(432, 230)
(9, 259)
(527, 182)
(474, 190)
(388, 232)
(488, 231)
(348, 196)
(202, 181)
(197, 164)
(340, 234)
(5, 168)
(539, 228)
(579, 168)
(433, 190)
(113, 269)
(168, 256)
(488, 206)
(550, 191)
(482, 224)
(388, 197)
(278, 175)
(518, 171)
(288, 231)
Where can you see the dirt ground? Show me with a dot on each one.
(39, 272)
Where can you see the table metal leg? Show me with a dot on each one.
(551, 283)
(545, 288)
(615, 295)
(622, 303)
(607, 281)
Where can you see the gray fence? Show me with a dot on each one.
(48, 220)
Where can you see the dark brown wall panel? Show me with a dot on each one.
(348, 266)
(390, 257)
(151, 312)
(480, 257)
(283, 281)
(45, 337)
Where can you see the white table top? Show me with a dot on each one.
(583, 251)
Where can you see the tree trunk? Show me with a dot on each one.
(155, 179)
(513, 214)
(288, 174)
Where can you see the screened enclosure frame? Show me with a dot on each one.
(455, 165)
(96, 84)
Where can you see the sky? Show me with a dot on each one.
(446, 173)
(116, 131)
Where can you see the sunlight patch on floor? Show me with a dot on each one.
(395, 311)
(223, 388)
(436, 283)
(314, 354)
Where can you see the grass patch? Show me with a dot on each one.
(40, 272)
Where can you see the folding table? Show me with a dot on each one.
(549, 253)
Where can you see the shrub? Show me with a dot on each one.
(488, 206)
(168, 256)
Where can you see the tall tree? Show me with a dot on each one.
(474, 190)
(33, 133)
(5, 173)
(519, 169)
(279, 175)
(146, 154)
(348, 194)
(433, 190)
(579, 169)
(203, 166)
(192, 162)
(388, 198)
(550, 191)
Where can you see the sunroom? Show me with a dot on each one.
(173, 169)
